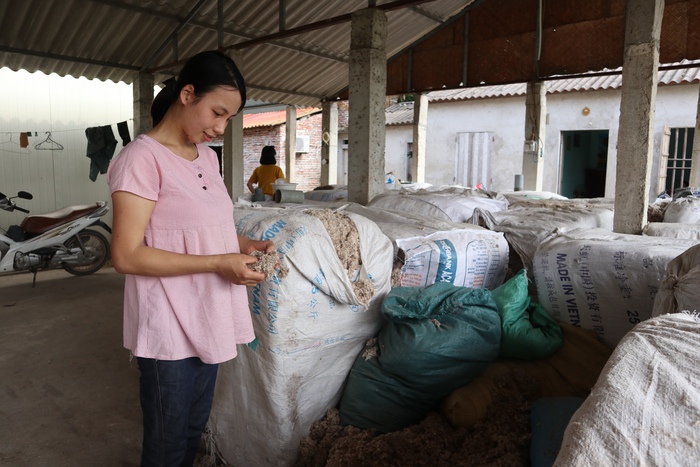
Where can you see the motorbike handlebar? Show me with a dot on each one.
(26, 211)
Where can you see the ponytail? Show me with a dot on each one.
(164, 100)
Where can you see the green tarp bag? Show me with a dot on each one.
(529, 332)
(436, 338)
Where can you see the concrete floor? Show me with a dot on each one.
(68, 393)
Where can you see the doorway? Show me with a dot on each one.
(584, 163)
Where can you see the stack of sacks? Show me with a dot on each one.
(456, 204)
(679, 288)
(429, 250)
(309, 325)
(681, 220)
(436, 339)
(526, 225)
(602, 281)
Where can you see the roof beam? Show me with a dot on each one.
(173, 34)
(324, 23)
(231, 31)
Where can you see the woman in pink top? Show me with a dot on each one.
(185, 300)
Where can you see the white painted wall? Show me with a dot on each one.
(65, 106)
(397, 139)
(676, 106)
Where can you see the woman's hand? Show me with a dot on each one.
(234, 268)
(248, 245)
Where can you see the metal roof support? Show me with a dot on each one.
(220, 22)
(637, 107)
(321, 24)
(165, 43)
(283, 15)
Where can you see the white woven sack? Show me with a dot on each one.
(466, 258)
(680, 290)
(683, 211)
(310, 327)
(602, 281)
(672, 230)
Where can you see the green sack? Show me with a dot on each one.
(437, 338)
(529, 332)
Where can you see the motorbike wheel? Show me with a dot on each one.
(97, 244)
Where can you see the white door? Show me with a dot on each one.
(472, 159)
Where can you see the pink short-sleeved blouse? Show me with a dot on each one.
(197, 315)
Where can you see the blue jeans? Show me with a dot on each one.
(176, 398)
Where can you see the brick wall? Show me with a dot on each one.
(308, 165)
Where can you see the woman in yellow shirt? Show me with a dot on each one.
(266, 175)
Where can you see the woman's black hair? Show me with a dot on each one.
(205, 71)
(267, 156)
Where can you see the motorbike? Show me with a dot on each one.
(54, 240)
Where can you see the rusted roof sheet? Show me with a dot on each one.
(273, 118)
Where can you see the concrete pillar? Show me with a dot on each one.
(233, 157)
(367, 94)
(637, 108)
(329, 146)
(535, 130)
(233, 160)
(420, 131)
(695, 165)
(142, 90)
(291, 145)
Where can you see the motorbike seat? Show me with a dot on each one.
(40, 223)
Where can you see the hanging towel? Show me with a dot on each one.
(100, 149)
(23, 140)
(123, 129)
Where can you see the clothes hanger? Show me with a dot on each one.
(13, 147)
(51, 145)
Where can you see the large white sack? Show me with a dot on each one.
(680, 288)
(447, 205)
(310, 326)
(400, 225)
(526, 227)
(683, 211)
(672, 230)
(466, 258)
(645, 407)
(602, 281)
(429, 250)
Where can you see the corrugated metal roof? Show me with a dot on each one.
(273, 118)
(677, 73)
(399, 114)
(114, 39)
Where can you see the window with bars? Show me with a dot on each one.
(676, 158)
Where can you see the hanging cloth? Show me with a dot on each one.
(100, 149)
(23, 140)
(123, 129)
